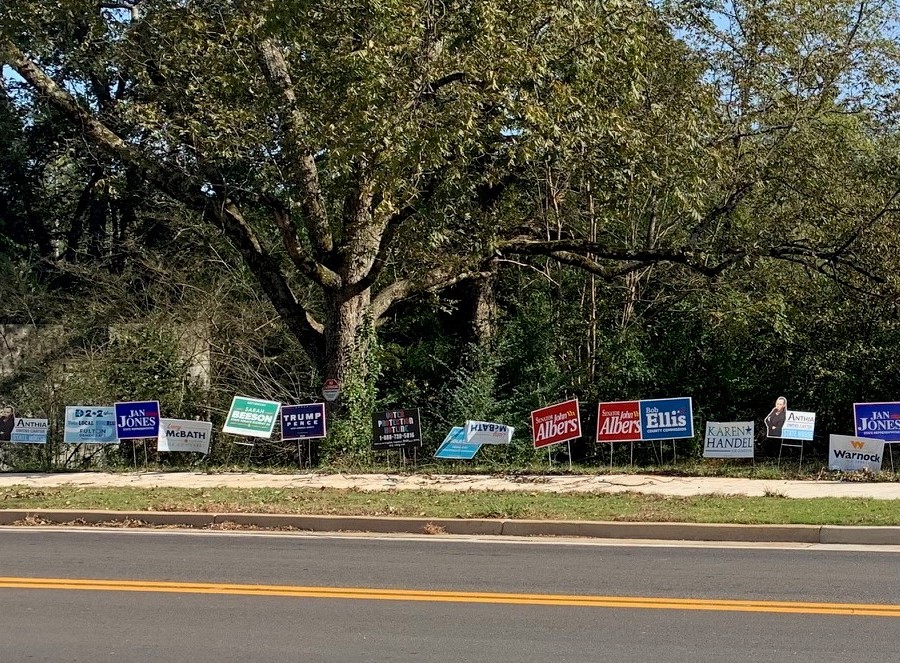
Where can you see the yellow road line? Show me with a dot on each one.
(373, 594)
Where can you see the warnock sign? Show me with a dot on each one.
(486, 432)
(848, 454)
(879, 421)
(89, 424)
(393, 429)
(184, 435)
(556, 423)
(29, 431)
(136, 420)
(303, 422)
(619, 422)
(728, 439)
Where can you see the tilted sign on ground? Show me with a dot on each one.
(487, 432)
(455, 447)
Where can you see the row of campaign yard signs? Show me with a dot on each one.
(876, 424)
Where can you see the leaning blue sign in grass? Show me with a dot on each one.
(29, 431)
(455, 447)
(879, 421)
(137, 419)
(251, 417)
(303, 422)
(89, 424)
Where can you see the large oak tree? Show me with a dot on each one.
(357, 154)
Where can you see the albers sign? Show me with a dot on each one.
(555, 424)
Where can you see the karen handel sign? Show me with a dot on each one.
(728, 439)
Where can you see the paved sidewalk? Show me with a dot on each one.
(611, 483)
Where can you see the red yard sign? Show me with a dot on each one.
(619, 422)
(556, 423)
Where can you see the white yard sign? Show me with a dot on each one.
(184, 435)
(485, 432)
(848, 454)
(728, 439)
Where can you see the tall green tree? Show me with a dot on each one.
(357, 154)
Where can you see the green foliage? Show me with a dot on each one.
(350, 438)
(753, 143)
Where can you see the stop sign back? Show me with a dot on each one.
(556, 423)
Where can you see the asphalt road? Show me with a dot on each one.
(179, 624)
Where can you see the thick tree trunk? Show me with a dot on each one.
(345, 337)
(484, 311)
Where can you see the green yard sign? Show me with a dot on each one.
(251, 417)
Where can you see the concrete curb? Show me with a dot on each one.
(478, 527)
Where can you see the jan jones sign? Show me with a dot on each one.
(667, 419)
(303, 422)
(396, 428)
(619, 422)
(137, 420)
(848, 453)
(486, 432)
(877, 420)
(90, 425)
(29, 431)
(555, 423)
(184, 435)
(798, 425)
(251, 417)
(728, 439)
(455, 447)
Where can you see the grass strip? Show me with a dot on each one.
(471, 504)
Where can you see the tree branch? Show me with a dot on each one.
(274, 284)
(435, 279)
(301, 260)
(304, 173)
(186, 189)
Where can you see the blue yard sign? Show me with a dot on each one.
(880, 421)
(667, 419)
(303, 422)
(88, 424)
(137, 420)
(455, 447)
